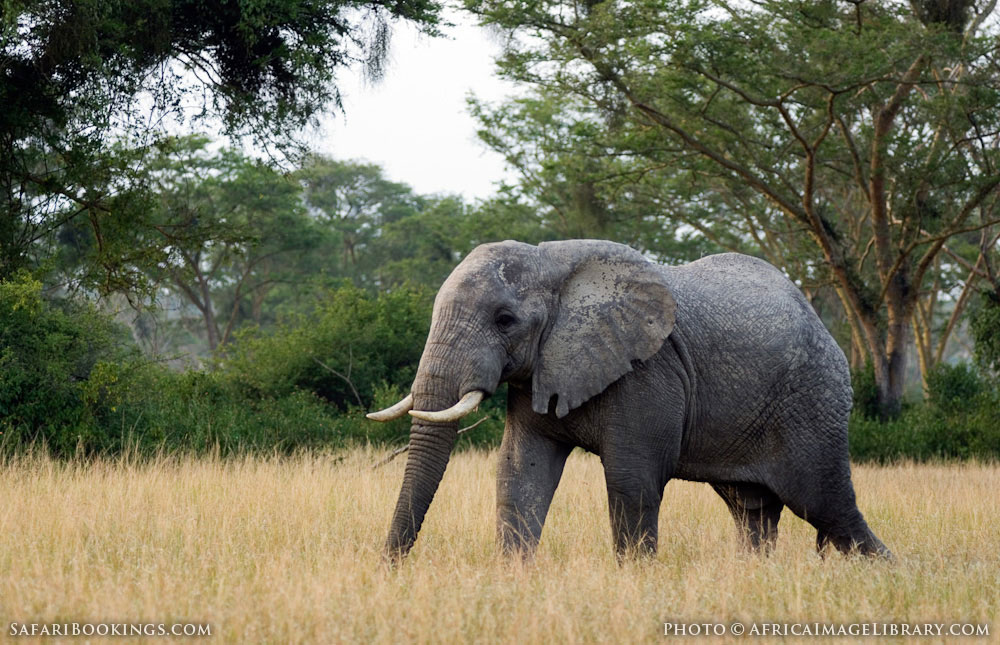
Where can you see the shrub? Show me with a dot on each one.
(354, 346)
(68, 384)
(48, 352)
(984, 326)
(348, 347)
(145, 407)
(951, 388)
(865, 391)
(960, 419)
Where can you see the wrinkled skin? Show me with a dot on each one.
(717, 371)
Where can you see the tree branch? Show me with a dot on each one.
(952, 228)
(357, 397)
(884, 119)
(859, 170)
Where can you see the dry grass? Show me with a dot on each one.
(287, 550)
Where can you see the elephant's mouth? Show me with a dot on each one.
(508, 370)
(469, 402)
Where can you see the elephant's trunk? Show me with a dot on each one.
(430, 447)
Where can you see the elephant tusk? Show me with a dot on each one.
(393, 412)
(455, 412)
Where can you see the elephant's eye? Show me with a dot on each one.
(505, 320)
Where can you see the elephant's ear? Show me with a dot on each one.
(614, 308)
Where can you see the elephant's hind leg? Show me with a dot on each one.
(826, 500)
(756, 511)
(814, 480)
(853, 536)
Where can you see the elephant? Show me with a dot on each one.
(715, 371)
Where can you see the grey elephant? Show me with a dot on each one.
(717, 371)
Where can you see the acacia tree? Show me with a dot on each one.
(220, 232)
(865, 134)
(579, 170)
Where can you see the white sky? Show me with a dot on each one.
(414, 122)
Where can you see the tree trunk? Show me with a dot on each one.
(887, 352)
(208, 312)
(257, 306)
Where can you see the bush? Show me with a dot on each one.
(144, 408)
(73, 383)
(351, 345)
(951, 388)
(47, 355)
(354, 346)
(960, 419)
(984, 326)
(865, 391)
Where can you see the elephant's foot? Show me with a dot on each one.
(756, 511)
(860, 543)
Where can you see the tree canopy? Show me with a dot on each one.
(77, 76)
(853, 144)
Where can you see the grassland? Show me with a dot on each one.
(287, 550)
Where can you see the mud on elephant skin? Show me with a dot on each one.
(717, 371)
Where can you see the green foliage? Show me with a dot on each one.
(583, 183)
(295, 387)
(353, 341)
(48, 351)
(68, 387)
(959, 420)
(865, 392)
(145, 408)
(951, 388)
(72, 73)
(382, 235)
(353, 201)
(228, 229)
(984, 325)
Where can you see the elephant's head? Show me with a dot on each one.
(565, 318)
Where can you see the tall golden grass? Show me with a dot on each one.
(287, 550)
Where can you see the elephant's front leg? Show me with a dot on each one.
(634, 503)
(528, 472)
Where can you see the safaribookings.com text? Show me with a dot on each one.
(109, 629)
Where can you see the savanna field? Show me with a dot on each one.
(288, 550)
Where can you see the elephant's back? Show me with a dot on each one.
(739, 297)
(752, 325)
(738, 282)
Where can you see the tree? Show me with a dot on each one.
(231, 228)
(48, 353)
(583, 184)
(388, 235)
(354, 200)
(76, 74)
(218, 232)
(863, 136)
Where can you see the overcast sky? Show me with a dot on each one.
(414, 122)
